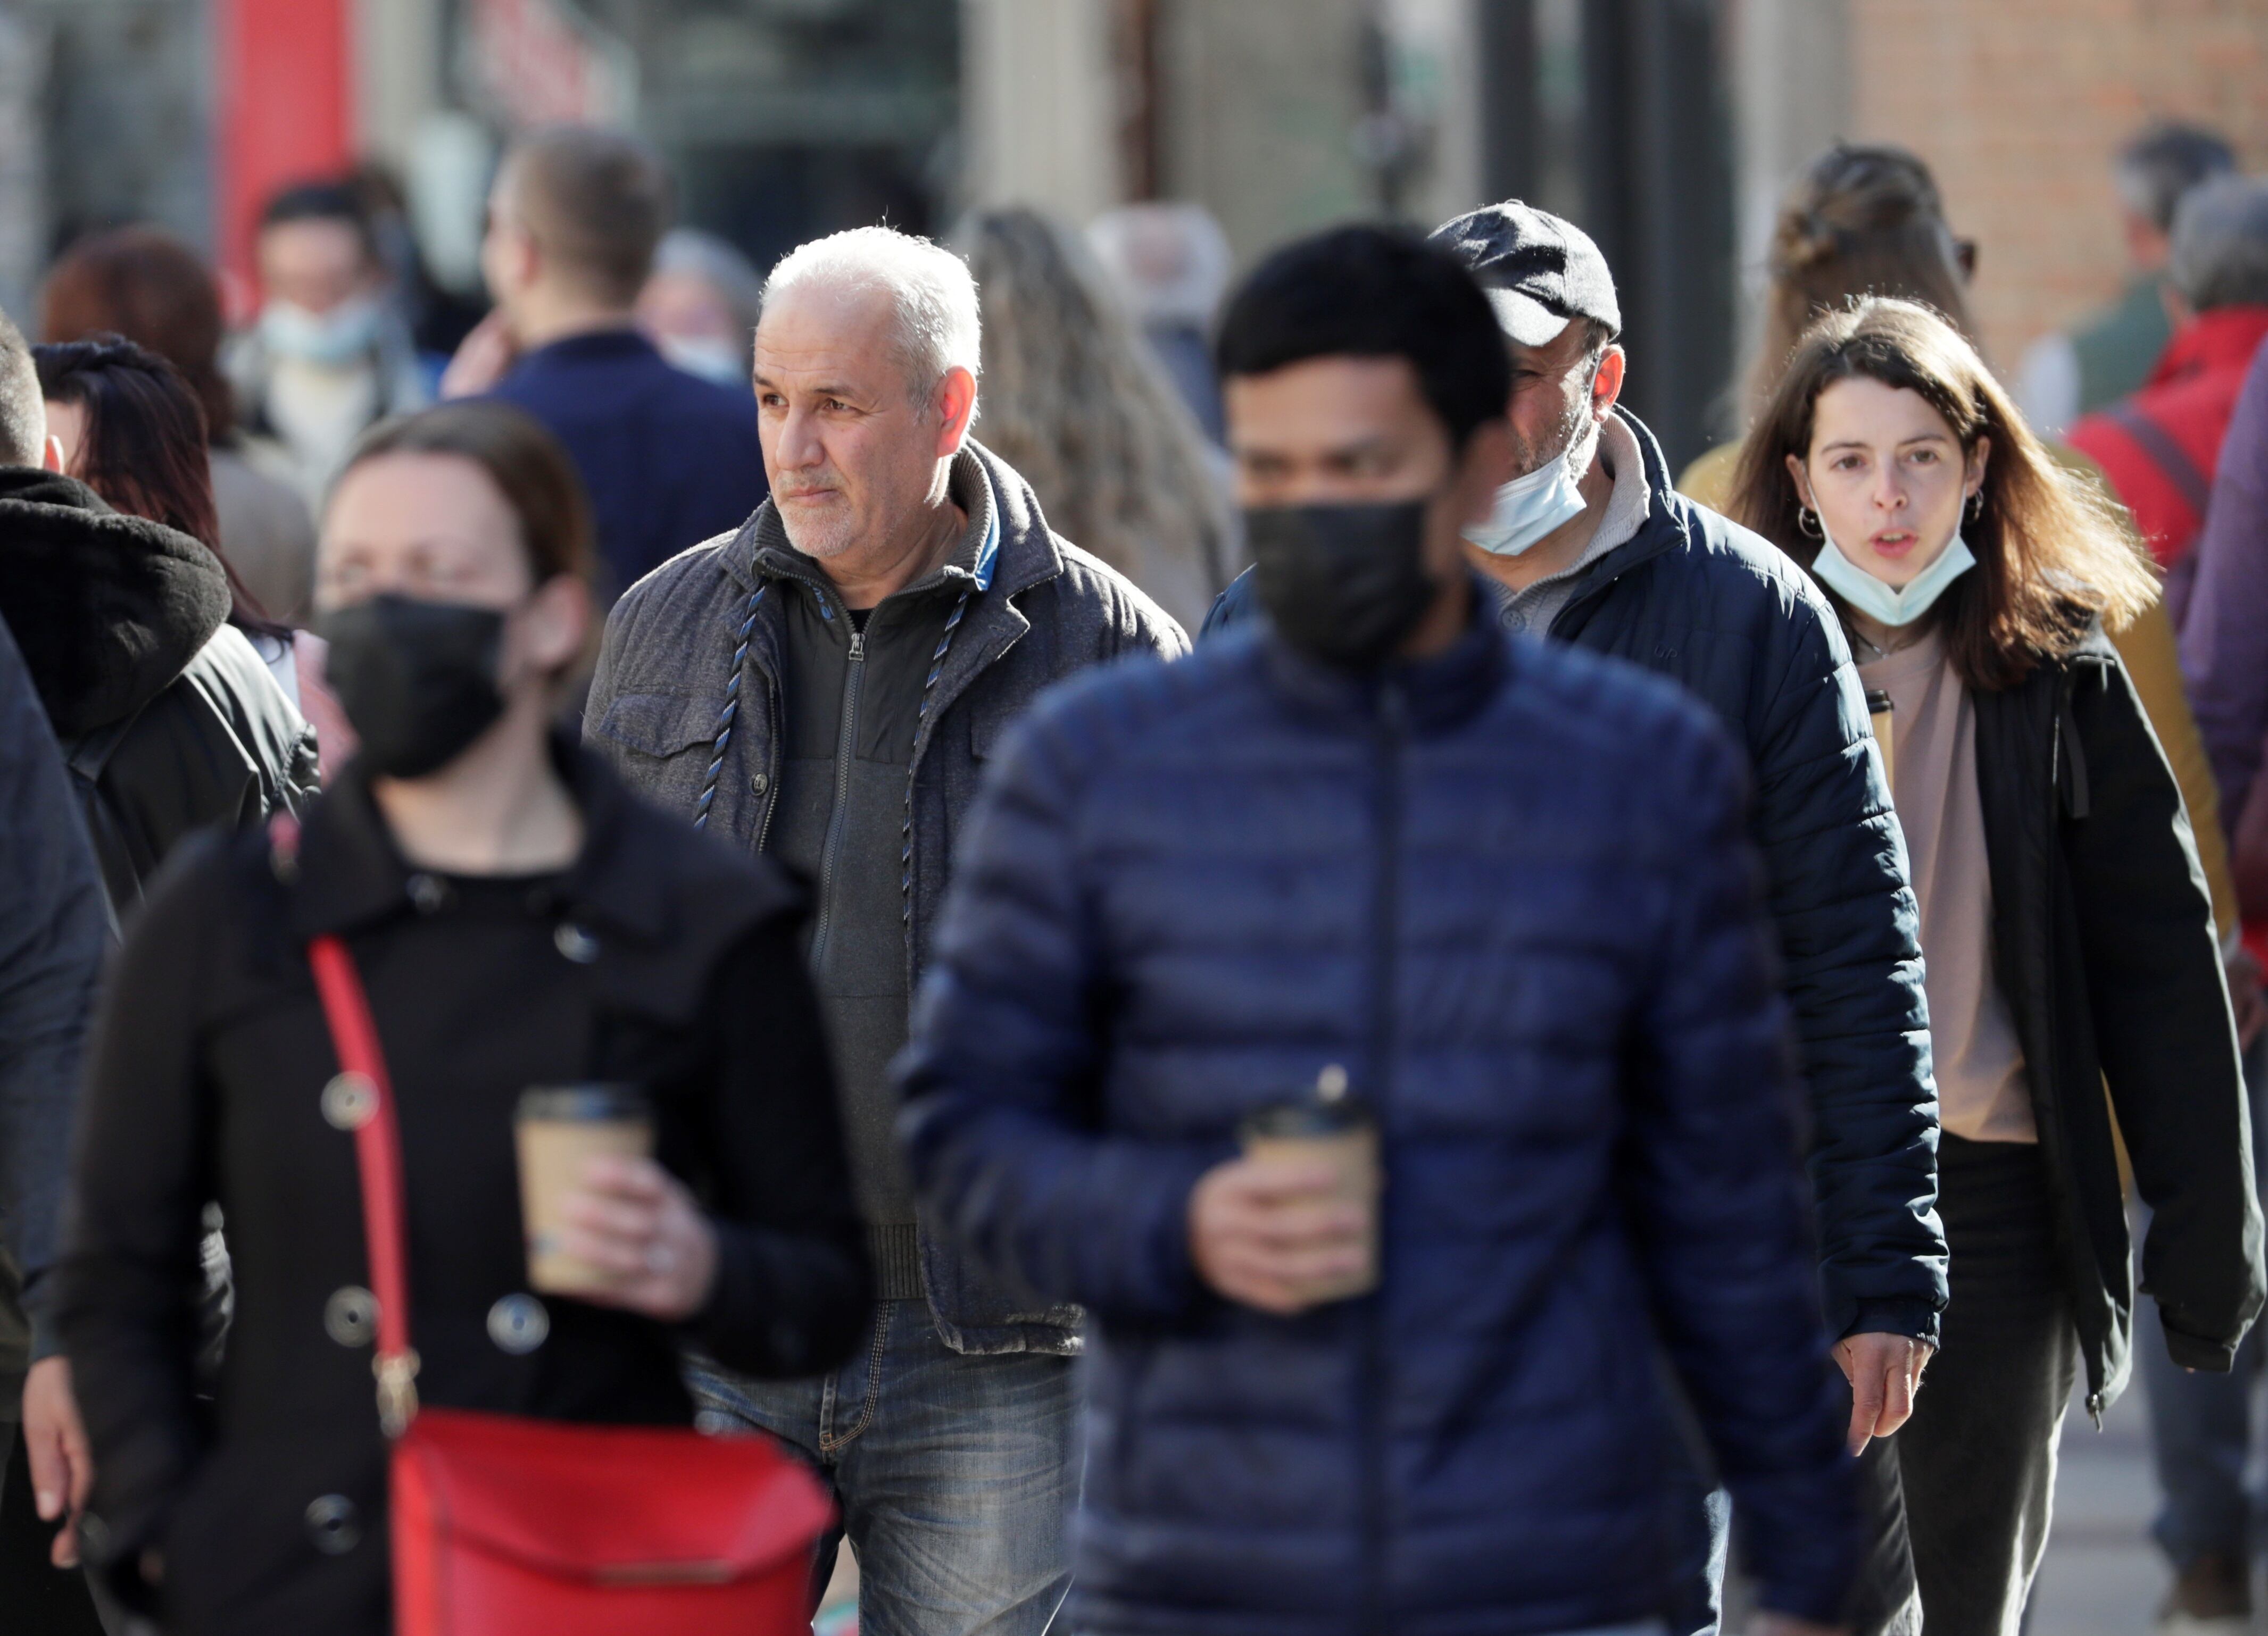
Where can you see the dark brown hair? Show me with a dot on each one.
(525, 463)
(151, 288)
(597, 202)
(2052, 555)
(1863, 221)
(144, 448)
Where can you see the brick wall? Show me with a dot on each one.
(2019, 104)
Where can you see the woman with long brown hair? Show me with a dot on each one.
(2069, 938)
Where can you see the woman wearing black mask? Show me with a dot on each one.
(518, 919)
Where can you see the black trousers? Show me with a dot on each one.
(1977, 1461)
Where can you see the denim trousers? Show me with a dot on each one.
(2202, 1425)
(956, 1475)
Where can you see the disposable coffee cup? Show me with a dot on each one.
(1880, 714)
(1327, 1124)
(559, 1130)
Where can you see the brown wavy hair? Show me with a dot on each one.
(1864, 220)
(2052, 557)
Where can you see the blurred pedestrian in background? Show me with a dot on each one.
(825, 686)
(1078, 405)
(2069, 939)
(53, 930)
(518, 919)
(1589, 544)
(2210, 1521)
(143, 283)
(1869, 221)
(2161, 446)
(328, 357)
(700, 305)
(2109, 354)
(1462, 887)
(1170, 262)
(167, 716)
(667, 458)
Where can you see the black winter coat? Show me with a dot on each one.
(166, 715)
(1726, 614)
(657, 958)
(2104, 945)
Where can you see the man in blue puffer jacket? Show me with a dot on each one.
(1591, 545)
(1503, 888)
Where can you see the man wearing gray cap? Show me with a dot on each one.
(1591, 545)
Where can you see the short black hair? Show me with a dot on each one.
(23, 408)
(321, 201)
(1374, 292)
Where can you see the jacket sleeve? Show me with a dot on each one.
(2225, 632)
(53, 930)
(1001, 1127)
(2162, 1025)
(1719, 1200)
(2147, 648)
(792, 1282)
(144, 1172)
(1849, 928)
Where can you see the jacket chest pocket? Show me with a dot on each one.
(661, 743)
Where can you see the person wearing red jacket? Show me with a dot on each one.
(2160, 447)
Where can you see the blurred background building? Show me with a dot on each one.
(1667, 127)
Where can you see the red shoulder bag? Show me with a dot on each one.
(503, 1525)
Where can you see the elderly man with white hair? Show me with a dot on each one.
(825, 685)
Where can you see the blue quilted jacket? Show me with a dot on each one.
(1726, 615)
(1510, 890)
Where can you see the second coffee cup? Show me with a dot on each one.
(559, 1130)
(1328, 1123)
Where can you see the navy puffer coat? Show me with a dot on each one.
(1510, 890)
(1726, 615)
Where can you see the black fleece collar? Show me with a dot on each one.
(351, 874)
(108, 609)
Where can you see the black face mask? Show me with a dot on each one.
(1344, 584)
(418, 680)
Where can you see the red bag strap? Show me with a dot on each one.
(363, 1095)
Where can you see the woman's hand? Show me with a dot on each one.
(1884, 1372)
(62, 1466)
(634, 1220)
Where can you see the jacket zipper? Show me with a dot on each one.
(1386, 917)
(846, 740)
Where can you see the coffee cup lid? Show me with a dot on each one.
(587, 1104)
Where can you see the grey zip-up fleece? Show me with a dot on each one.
(1039, 610)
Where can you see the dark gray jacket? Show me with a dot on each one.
(668, 671)
(53, 930)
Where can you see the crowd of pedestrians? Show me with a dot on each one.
(1549, 1076)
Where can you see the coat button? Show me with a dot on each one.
(575, 943)
(430, 895)
(350, 1316)
(760, 782)
(518, 1325)
(334, 1524)
(349, 1101)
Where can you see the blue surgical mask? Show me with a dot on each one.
(331, 338)
(1531, 508)
(712, 357)
(1871, 596)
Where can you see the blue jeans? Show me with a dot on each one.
(2202, 1425)
(956, 1475)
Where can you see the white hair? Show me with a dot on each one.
(932, 289)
